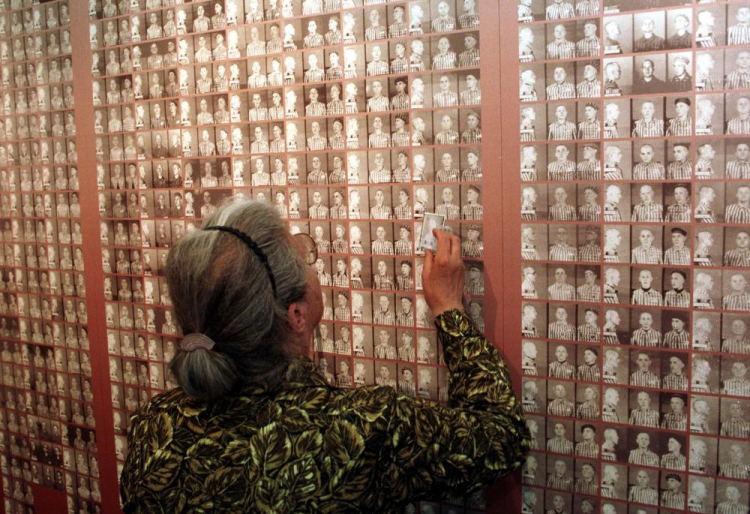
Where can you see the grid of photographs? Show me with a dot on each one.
(635, 216)
(47, 423)
(353, 120)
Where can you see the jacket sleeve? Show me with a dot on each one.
(437, 452)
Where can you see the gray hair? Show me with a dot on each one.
(220, 288)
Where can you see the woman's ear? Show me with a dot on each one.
(298, 314)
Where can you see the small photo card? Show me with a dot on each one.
(427, 239)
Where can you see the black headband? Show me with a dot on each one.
(253, 246)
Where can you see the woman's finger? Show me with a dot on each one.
(429, 258)
(455, 248)
(444, 243)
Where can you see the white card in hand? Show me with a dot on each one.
(426, 239)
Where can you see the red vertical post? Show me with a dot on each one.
(92, 254)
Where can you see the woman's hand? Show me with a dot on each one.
(443, 274)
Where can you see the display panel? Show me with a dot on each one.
(635, 203)
(47, 421)
(355, 121)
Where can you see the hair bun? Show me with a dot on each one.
(205, 375)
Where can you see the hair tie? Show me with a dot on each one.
(194, 341)
(253, 246)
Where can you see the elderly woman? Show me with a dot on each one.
(254, 426)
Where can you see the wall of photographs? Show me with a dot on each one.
(47, 423)
(356, 120)
(635, 207)
(353, 120)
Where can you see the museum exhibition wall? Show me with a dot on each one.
(352, 120)
(635, 208)
(625, 150)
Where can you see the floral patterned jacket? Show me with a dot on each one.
(311, 447)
